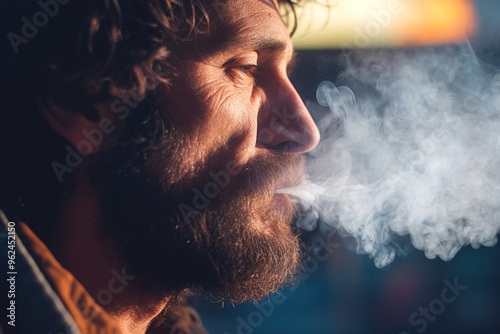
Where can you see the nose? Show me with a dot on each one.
(285, 122)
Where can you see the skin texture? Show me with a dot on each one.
(230, 101)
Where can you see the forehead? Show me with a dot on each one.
(247, 23)
(233, 10)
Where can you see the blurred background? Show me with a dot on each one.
(339, 290)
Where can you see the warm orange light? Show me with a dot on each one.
(440, 21)
(384, 23)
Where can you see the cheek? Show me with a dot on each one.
(213, 117)
(231, 123)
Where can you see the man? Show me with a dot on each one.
(143, 145)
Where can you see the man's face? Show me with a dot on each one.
(194, 205)
(232, 93)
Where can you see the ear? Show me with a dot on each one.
(86, 136)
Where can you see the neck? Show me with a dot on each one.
(82, 250)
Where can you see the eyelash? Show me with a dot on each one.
(249, 69)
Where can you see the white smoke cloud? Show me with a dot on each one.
(411, 148)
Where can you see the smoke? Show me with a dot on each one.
(412, 147)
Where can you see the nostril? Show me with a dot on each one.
(288, 145)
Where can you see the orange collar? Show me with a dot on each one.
(86, 313)
(61, 303)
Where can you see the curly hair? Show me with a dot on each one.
(90, 51)
(101, 49)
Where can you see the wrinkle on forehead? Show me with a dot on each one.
(243, 23)
(246, 30)
(251, 22)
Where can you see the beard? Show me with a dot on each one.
(216, 231)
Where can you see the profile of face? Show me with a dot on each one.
(187, 193)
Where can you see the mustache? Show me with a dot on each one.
(247, 187)
(263, 175)
(220, 185)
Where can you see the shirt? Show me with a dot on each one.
(40, 296)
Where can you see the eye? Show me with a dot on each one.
(249, 70)
(242, 74)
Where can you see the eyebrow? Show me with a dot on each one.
(267, 43)
(271, 44)
(263, 43)
(275, 45)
